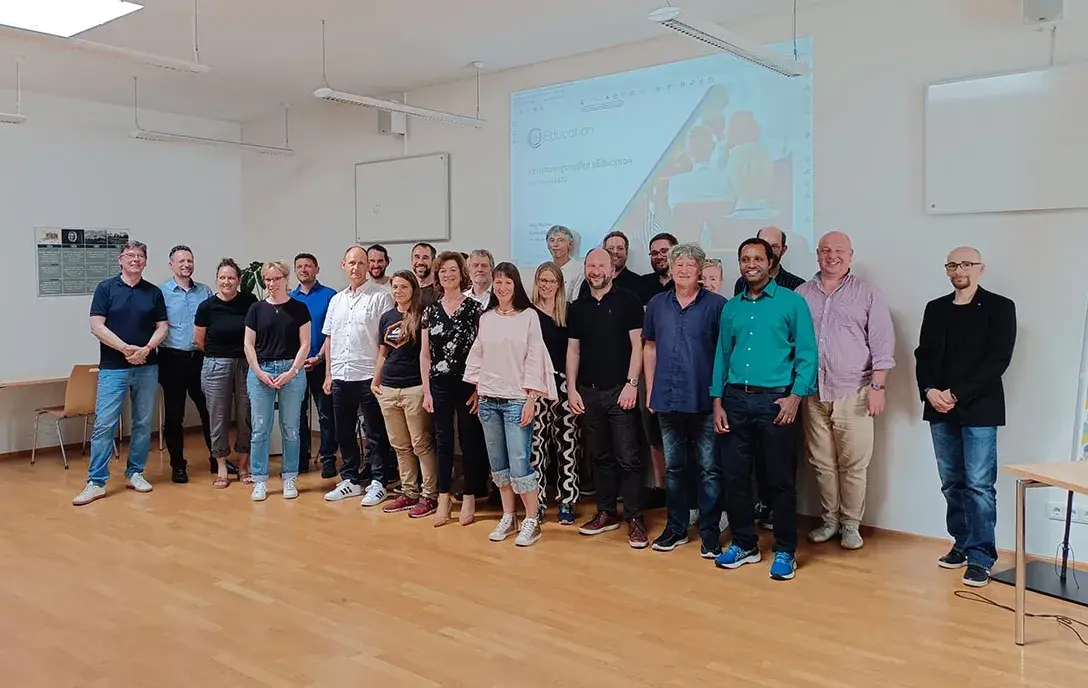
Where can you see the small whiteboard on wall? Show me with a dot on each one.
(1009, 142)
(403, 200)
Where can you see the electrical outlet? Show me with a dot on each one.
(1080, 515)
(1055, 511)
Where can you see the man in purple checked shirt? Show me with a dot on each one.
(855, 340)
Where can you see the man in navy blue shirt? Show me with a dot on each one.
(680, 334)
(316, 296)
(128, 317)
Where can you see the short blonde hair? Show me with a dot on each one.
(277, 265)
(713, 263)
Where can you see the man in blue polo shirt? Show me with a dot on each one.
(765, 364)
(128, 317)
(316, 296)
(180, 362)
(680, 334)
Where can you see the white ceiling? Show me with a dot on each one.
(266, 52)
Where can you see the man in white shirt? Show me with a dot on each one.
(561, 245)
(351, 351)
(480, 265)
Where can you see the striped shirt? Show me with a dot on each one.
(854, 334)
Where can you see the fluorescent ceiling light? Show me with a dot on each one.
(17, 117)
(63, 18)
(164, 137)
(710, 33)
(329, 94)
(9, 118)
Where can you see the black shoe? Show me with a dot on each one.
(760, 513)
(179, 475)
(710, 549)
(668, 541)
(976, 576)
(768, 522)
(953, 560)
(328, 469)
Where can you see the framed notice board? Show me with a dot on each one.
(72, 261)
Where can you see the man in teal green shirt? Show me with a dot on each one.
(765, 363)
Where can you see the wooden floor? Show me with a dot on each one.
(190, 586)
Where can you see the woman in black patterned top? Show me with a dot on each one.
(449, 327)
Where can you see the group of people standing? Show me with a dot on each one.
(583, 375)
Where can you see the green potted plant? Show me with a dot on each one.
(252, 280)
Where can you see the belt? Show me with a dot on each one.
(180, 352)
(755, 389)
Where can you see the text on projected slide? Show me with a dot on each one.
(710, 149)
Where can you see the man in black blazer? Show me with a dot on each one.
(964, 348)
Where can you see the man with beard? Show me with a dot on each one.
(480, 264)
(377, 263)
(180, 362)
(422, 259)
(604, 359)
(965, 346)
(653, 283)
(617, 246)
(316, 296)
(776, 238)
(765, 364)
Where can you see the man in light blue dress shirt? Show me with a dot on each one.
(180, 362)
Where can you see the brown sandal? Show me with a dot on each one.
(221, 483)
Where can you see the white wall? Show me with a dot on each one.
(873, 59)
(72, 164)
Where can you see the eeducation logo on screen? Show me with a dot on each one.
(538, 136)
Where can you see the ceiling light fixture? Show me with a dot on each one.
(18, 117)
(330, 94)
(710, 33)
(168, 137)
(80, 45)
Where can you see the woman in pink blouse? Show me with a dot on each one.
(511, 369)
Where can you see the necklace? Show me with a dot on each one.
(502, 312)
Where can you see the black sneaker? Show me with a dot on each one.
(768, 522)
(180, 476)
(955, 559)
(328, 469)
(760, 512)
(566, 514)
(668, 541)
(710, 549)
(976, 576)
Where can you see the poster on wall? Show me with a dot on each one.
(71, 261)
(1080, 430)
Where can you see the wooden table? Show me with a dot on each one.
(1067, 475)
(32, 383)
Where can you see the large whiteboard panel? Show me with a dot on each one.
(403, 200)
(1008, 142)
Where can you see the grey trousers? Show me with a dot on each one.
(223, 381)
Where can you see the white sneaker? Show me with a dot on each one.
(506, 527)
(138, 482)
(343, 490)
(260, 491)
(530, 533)
(290, 489)
(89, 494)
(375, 494)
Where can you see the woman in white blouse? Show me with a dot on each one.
(511, 369)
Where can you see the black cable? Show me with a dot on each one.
(1063, 621)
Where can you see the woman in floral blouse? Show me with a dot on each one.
(449, 328)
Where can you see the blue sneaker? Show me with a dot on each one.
(566, 514)
(734, 557)
(783, 567)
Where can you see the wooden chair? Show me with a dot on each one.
(79, 401)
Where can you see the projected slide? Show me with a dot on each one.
(710, 149)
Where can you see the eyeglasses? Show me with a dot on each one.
(966, 265)
(133, 255)
(550, 281)
(660, 252)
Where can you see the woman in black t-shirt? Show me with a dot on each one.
(220, 328)
(276, 343)
(449, 327)
(557, 433)
(398, 386)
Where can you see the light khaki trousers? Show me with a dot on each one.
(839, 446)
(409, 429)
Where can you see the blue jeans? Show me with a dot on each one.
(689, 443)
(967, 464)
(509, 445)
(262, 399)
(142, 384)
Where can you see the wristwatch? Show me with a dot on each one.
(633, 382)
(876, 386)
